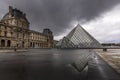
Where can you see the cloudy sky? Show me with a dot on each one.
(101, 18)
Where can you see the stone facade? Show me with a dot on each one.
(15, 32)
(40, 40)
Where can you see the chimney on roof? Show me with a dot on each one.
(10, 10)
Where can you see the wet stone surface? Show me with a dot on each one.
(53, 64)
(41, 64)
(100, 70)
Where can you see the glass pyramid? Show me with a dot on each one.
(78, 38)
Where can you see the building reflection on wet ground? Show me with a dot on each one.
(53, 64)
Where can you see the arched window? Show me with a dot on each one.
(23, 44)
(8, 43)
(2, 43)
(30, 44)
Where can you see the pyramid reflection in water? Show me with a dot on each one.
(78, 38)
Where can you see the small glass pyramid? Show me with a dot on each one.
(78, 38)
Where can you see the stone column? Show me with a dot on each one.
(26, 44)
(12, 44)
(6, 43)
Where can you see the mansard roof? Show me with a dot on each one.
(16, 14)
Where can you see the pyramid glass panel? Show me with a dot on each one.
(78, 38)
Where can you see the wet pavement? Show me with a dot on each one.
(41, 64)
(53, 64)
(100, 70)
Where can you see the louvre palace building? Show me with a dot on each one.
(15, 32)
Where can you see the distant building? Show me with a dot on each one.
(111, 44)
(15, 32)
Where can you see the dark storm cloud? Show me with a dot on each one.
(58, 14)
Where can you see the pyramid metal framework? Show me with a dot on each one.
(78, 38)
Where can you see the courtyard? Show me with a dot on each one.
(54, 64)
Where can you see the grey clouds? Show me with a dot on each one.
(58, 14)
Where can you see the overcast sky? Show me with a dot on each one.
(101, 18)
